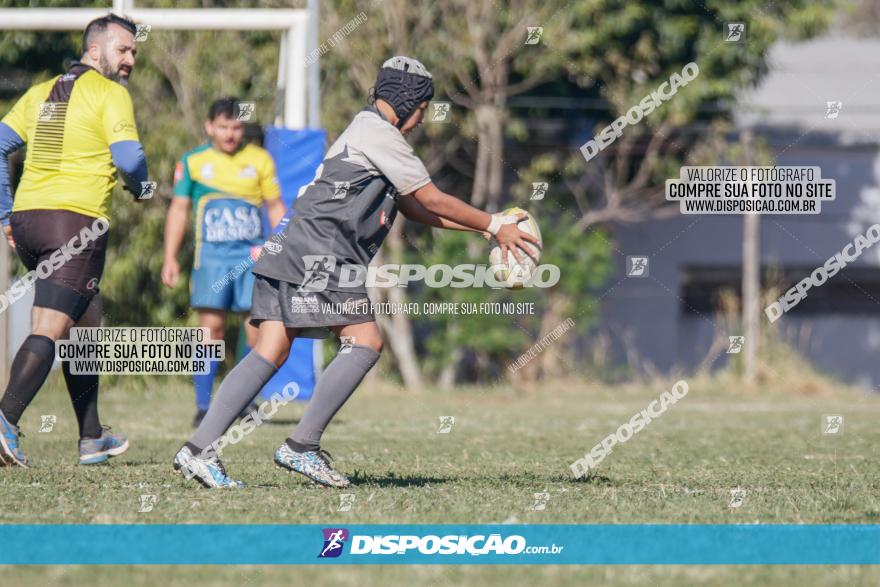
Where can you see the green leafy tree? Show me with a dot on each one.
(610, 53)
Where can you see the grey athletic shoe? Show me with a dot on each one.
(93, 451)
(313, 464)
(208, 471)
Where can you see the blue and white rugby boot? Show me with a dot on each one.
(207, 470)
(93, 451)
(10, 444)
(313, 464)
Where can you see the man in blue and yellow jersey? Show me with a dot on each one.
(226, 183)
(80, 130)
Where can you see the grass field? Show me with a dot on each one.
(504, 447)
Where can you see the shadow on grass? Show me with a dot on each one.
(281, 422)
(527, 479)
(591, 480)
(293, 421)
(394, 480)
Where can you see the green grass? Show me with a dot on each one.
(440, 576)
(505, 447)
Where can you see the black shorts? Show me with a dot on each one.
(312, 312)
(66, 251)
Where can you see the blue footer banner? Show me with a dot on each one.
(857, 544)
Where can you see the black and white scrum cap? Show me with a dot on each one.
(404, 83)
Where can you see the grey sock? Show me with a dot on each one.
(335, 386)
(238, 389)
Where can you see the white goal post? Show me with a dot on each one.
(298, 79)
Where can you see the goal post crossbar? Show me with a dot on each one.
(194, 19)
(294, 72)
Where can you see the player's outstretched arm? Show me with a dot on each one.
(414, 211)
(442, 204)
(452, 209)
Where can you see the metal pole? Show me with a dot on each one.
(314, 69)
(751, 278)
(282, 81)
(295, 78)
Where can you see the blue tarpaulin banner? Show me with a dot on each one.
(297, 155)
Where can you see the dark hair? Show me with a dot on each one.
(227, 107)
(99, 26)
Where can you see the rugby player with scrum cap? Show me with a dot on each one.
(340, 218)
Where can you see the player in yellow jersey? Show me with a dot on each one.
(226, 184)
(80, 130)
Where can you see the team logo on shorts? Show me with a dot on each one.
(334, 540)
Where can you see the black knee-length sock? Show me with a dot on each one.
(83, 390)
(29, 371)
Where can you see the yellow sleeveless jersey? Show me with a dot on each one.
(68, 164)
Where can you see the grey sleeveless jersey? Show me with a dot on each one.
(340, 219)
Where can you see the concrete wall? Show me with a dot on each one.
(645, 317)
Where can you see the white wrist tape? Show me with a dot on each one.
(498, 221)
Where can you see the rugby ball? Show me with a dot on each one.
(509, 272)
